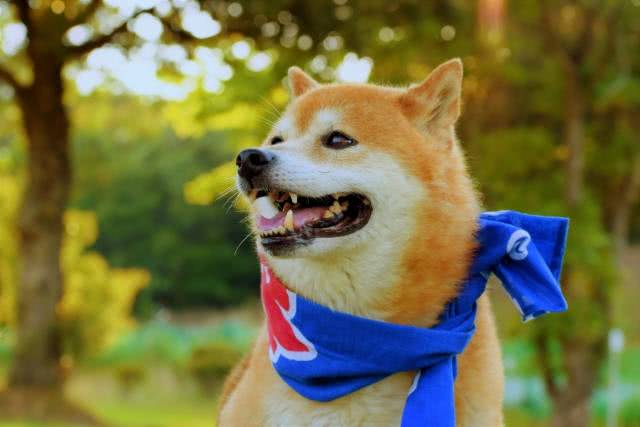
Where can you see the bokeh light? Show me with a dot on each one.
(353, 69)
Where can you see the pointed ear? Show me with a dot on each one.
(434, 104)
(300, 82)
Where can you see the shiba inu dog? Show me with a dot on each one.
(362, 203)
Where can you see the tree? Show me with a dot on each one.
(39, 89)
(585, 59)
(571, 149)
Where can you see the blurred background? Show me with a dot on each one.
(128, 284)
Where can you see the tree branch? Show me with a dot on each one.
(24, 13)
(86, 14)
(548, 34)
(180, 34)
(543, 356)
(582, 47)
(77, 51)
(8, 77)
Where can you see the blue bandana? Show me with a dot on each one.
(324, 354)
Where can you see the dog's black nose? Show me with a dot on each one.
(252, 162)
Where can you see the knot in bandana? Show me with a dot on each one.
(324, 354)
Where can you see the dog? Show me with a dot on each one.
(361, 202)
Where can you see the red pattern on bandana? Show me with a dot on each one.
(279, 305)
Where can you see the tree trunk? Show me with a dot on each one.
(572, 405)
(581, 356)
(573, 133)
(621, 219)
(46, 125)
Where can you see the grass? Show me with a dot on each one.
(121, 413)
(170, 414)
(194, 414)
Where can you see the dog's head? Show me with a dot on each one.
(358, 177)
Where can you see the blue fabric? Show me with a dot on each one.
(323, 354)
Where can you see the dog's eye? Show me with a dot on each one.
(276, 140)
(338, 140)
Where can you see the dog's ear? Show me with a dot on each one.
(300, 82)
(434, 104)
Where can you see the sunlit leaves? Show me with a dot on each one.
(14, 36)
(353, 69)
(98, 300)
(210, 186)
(9, 197)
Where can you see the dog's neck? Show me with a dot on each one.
(353, 284)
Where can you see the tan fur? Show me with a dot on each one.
(403, 266)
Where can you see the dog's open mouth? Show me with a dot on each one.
(284, 216)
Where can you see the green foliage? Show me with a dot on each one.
(534, 185)
(211, 363)
(136, 186)
(207, 354)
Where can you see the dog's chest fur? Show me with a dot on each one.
(378, 405)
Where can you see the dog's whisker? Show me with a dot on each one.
(274, 109)
(228, 204)
(232, 203)
(226, 192)
(235, 252)
(230, 197)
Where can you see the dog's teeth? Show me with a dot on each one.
(335, 208)
(288, 220)
(327, 214)
(294, 198)
(265, 207)
(281, 230)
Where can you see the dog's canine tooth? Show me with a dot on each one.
(335, 208)
(294, 198)
(288, 220)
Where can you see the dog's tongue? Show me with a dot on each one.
(300, 218)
